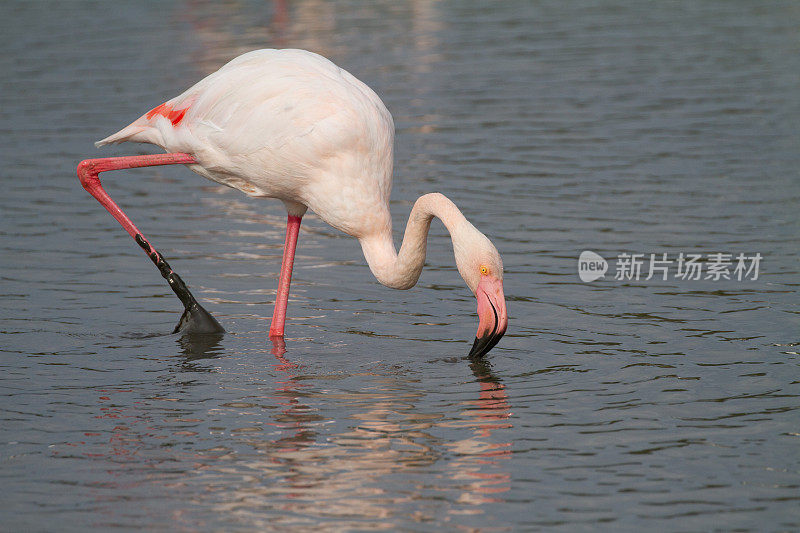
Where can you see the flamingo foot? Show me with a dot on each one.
(195, 319)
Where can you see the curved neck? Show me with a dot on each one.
(402, 270)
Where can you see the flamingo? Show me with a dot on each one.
(291, 125)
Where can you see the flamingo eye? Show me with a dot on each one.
(484, 270)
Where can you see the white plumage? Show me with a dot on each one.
(289, 124)
(297, 126)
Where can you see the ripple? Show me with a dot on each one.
(556, 128)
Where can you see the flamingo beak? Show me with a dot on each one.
(492, 315)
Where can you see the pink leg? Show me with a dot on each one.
(195, 319)
(282, 298)
(89, 170)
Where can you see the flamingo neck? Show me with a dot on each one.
(402, 270)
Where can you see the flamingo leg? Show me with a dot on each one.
(195, 319)
(282, 298)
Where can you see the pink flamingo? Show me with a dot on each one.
(291, 125)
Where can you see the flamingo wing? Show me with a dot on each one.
(286, 124)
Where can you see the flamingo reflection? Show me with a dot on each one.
(479, 466)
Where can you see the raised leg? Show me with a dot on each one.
(282, 298)
(195, 319)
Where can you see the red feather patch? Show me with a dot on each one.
(165, 110)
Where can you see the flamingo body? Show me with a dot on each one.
(285, 124)
(289, 124)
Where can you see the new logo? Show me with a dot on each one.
(591, 266)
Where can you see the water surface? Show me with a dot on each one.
(618, 404)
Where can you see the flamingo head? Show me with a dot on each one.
(481, 266)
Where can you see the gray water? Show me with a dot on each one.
(625, 405)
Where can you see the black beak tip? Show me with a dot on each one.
(477, 348)
(482, 345)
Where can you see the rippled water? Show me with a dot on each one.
(618, 404)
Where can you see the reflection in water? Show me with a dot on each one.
(479, 464)
(656, 405)
(335, 479)
(227, 29)
(224, 30)
(350, 479)
(200, 345)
